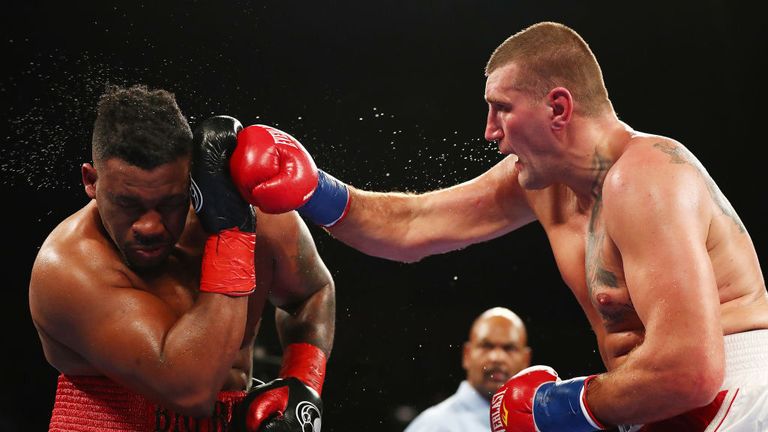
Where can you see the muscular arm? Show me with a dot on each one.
(680, 364)
(302, 287)
(409, 227)
(180, 360)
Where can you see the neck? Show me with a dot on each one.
(593, 146)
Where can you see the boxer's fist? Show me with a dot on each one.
(215, 199)
(285, 404)
(228, 257)
(272, 169)
(537, 400)
(512, 404)
(274, 172)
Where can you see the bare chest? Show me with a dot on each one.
(591, 266)
(177, 285)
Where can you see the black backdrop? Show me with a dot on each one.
(387, 96)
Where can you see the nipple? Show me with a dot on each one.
(604, 299)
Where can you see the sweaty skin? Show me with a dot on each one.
(650, 247)
(97, 316)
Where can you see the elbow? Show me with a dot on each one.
(707, 384)
(698, 385)
(190, 399)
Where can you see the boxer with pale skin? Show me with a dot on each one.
(654, 253)
(150, 311)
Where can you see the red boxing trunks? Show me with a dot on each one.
(97, 404)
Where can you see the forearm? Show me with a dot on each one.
(179, 361)
(382, 225)
(409, 227)
(652, 385)
(306, 333)
(312, 321)
(198, 349)
(191, 359)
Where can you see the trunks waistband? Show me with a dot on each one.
(746, 358)
(96, 403)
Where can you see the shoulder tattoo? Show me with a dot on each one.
(680, 155)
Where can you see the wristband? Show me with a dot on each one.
(562, 405)
(329, 202)
(305, 362)
(228, 263)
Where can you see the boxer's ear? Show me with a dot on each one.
(90, 176)
(560, 102)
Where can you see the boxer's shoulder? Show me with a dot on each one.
(71, 266)
(75, 262)
(644, 152)
(77, 247)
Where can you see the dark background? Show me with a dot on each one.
(387, 95)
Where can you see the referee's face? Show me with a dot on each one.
(497, 349)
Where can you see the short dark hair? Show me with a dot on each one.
(140, 126)
(549, 55)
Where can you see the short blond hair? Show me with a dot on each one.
(551, 55)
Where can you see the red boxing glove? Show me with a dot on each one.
(536, 400)
(272, 170)
(512, 404)
(303, 361)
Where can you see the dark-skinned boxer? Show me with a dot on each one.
(150, 312)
